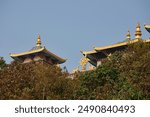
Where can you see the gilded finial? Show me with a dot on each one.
(91, 67)
(83, 63)
(138, 32)
(75, 70)
(38, 43)
(128, 36)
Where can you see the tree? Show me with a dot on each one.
(135, 72)
(34, 81)
(97, 84)
(2, 63)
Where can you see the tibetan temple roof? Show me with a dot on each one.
(99, 53)
(36, 50)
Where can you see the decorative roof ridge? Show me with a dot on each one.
(88, 52)
(110, 46)
(28, 52)
(118, 44)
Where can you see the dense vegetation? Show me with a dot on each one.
(124, 75)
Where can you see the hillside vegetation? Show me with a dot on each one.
(124, 75)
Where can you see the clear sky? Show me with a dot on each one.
(68, 26)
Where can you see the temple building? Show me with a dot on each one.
(96, 55)
(38, 54)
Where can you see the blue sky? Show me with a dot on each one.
(68, 26)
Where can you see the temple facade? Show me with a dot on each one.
(38, 54)
(95, 56)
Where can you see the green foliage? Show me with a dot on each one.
(135, 71)
(32, 81)
(95, 83)
(2, 63)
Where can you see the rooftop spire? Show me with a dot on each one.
(38, 43)
(138, 32)
(128, 36)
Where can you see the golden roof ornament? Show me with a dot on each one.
(83, 63)
(138, 32)
(91, 67)
(128, 36)
(38, 43)
(75, 70)
(58, 65)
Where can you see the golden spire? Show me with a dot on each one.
(128, 36)
(138, 32)
(38, 43)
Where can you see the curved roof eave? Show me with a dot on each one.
(147, 27)
(110, 46)
(43, 49)
(26, 53)
(55, 56)
(88, 52)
